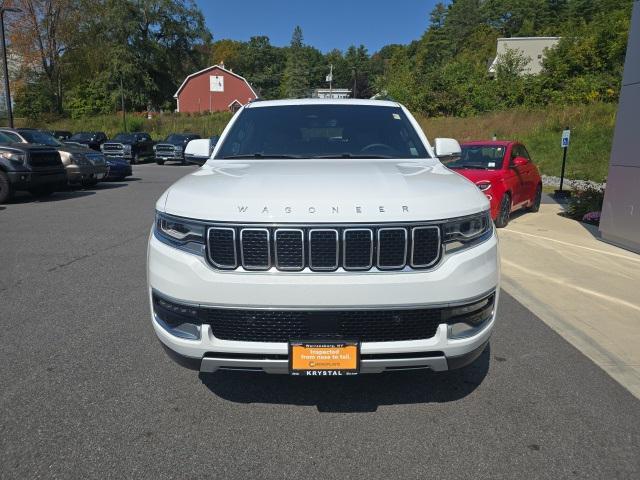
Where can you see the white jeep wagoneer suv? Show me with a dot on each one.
(324, 237)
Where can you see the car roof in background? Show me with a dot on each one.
(488, 143)
(321, 101)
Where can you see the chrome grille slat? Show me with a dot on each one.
(392, 248)
(357, 248)
(425, 245)
(255, 248)
(324, 249)
(305, 248)
(289, 249)
(222, 249)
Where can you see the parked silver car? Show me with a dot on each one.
(84, 166)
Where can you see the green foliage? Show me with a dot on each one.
(33, 98)
(584, 201)
(159, 126)
(295, 79)
(150, 46)
(540, 129)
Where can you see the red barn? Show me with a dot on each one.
(214, 89)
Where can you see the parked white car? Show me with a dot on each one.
(324, 237)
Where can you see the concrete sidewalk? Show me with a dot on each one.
(586, 290)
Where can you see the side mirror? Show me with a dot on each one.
(447, 147)
(519, 162)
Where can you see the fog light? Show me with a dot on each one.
(467, 320)
(179, 320)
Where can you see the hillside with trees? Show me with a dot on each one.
(77, 55)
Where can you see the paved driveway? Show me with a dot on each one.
(87, 392)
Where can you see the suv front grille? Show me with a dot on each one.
(284, 325)
(44, 158)
(296, 248)
(364, 325)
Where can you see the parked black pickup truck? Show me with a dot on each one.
(172, 148)
(93, 140)
(130, 146)
(36, 169)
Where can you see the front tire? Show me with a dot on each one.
(160, 162)
(6, 192)
(535, 206)
(502, 220)
(135, 160)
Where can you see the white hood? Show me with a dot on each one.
(334, 191)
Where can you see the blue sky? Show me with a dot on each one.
(325, 24)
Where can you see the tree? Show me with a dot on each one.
(295, 79)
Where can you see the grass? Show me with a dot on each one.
(540, 130)
(587, 159)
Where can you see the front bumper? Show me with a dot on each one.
(78, 174)
(27, 180)
(460, 278)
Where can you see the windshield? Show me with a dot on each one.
(322, 131)
(124, 137)
(176, 138)
(36, 136)
(485, 157)
(5, 139)
(82, 136)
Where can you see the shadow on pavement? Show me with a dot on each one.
(363, 393)
(55, 197)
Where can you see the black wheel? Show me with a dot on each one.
(502, 220)
(6, 192)
(535, 206)
(160, 162)
(92, 182)
(135, 160)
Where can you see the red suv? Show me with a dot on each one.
(504, 172)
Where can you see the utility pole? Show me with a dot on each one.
(7, 91)
(124, 118)
(330, 80)
(355, 81)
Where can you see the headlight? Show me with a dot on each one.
(466, 231)
(127, 148)
(178, 148)
(483, 185)
(17, 157)
(79, 159)
(154, 148)
(187, 235)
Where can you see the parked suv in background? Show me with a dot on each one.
(198, 151)
(33, 168)
(92, 140)
(324, 237)
(132, 146)
(84, 166)
(504, 172)
(172, 148)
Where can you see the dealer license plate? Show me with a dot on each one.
(311, 358)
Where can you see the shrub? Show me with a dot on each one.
(583, 202)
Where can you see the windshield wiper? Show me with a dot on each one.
(349, 155)
(259, 155)
(481, 167)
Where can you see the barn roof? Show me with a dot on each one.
(219, 67)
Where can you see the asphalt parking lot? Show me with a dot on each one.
(86, 391)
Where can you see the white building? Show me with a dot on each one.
(331, 93)
(532, 49)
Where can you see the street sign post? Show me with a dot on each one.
(564, 143)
